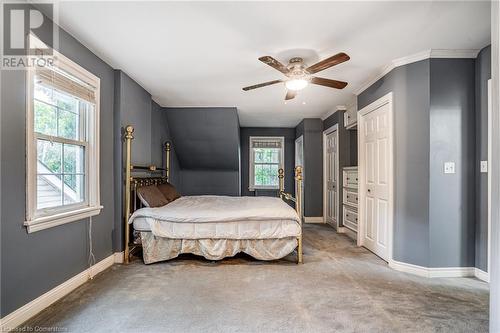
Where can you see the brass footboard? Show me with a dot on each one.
(297, 200)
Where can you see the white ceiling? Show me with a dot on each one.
(202, 54)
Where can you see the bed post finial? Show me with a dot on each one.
(129, 130)
(298, 207)
(167, 159)
(281, 177)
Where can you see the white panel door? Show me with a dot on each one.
(332, 200)
(375, 130)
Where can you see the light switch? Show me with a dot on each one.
(484, 166)
(449, 167)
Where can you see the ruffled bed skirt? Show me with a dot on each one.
(159, 249)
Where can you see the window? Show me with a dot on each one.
(266, 158)
(62, 144)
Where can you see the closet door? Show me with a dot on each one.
(331, 181)
(376, 149)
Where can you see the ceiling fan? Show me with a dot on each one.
(298, 76)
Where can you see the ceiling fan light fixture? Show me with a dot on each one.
(296, 84)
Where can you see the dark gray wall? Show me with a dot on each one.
(207, 145)
(160, 134)
(483, 74)
(452, 138)
(435, 122)
(32, 264)
(133, 106)
(410, 85)
(289, 164)
(312, 129)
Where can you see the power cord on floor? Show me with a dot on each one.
(91, 259)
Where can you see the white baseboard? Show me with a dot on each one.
(314, 219)
(19, 316)
(119, 256)
(482, 275)
(438, 272)
(352, 234)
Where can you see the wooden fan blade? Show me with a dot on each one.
(290, 94)
(327, 63)
(260, 85)
(274, 64)
(329, 83)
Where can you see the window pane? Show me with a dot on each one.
(266, 155)
(48, 157)
(68, 125)
(74, 189)
(74, 159)
(43, 93)
(266, 174)
(45, 118)
(48, 192)
(65, 101)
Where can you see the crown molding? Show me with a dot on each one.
(428, 54)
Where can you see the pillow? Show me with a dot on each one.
(169, 192)
(151, 196)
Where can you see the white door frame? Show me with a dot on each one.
(386, 99)
(300, 141)
(326, 132)
(490, 129)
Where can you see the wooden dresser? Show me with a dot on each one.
(350, 200)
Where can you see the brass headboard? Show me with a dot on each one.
(155, 176)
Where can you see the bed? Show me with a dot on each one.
(214, 227)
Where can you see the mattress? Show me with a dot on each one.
(219, 230)
(220, 217)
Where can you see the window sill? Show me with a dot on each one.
(46, 222)
(252, 189)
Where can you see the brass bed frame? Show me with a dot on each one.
(132, 183)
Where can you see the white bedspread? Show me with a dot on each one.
(199, 217)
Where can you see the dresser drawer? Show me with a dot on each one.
(350, 218)
(350, 197)
(351, 178)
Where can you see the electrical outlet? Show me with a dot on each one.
(449, 167)
(484, 166)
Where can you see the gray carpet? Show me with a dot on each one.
(340, 288)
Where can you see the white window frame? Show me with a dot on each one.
(36, 220)
(251, 171)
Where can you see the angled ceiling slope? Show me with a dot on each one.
(205, 138)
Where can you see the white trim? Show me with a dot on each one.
(494, 169)
(300, 142)
(251, 186)
(386, 99)
(337, 108)
(19, 316)
(314, 219)
(39, 220)
(118, 257)
(350, 233)
(482, 275)
(330, 130)
(433, 272)
(61, 218)
(490, 132)
(428, 54)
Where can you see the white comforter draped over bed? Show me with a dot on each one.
(200, 217)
